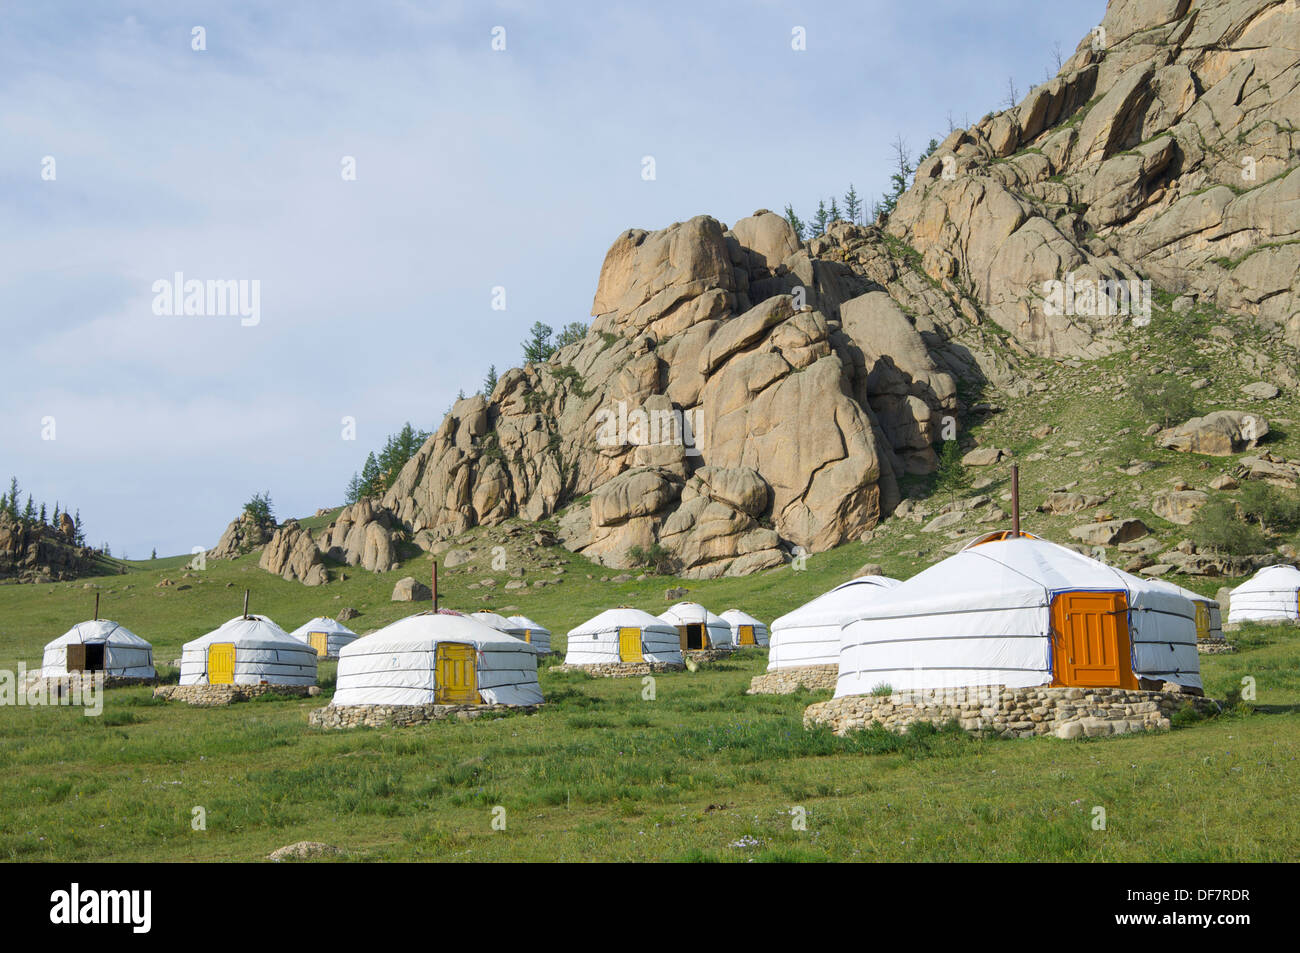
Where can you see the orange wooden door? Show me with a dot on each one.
(1090, 642)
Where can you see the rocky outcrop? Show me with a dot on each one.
(293, 555)
(409, 589)
(242, 536)
(33, 552)
(364, 534)
(1164, 148)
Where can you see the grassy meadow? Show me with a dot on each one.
(701, 772)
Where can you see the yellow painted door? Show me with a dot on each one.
(1091, 641)
(221, 663)
(320, 642)
(1202, 620)
(629, 645)
(746, 635)
(457, 675)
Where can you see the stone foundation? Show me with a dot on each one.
(784, 681)
(1012, 713)
(66, 684)
(402, 716)
(213, 696)
(707, 655)
(1214, 646)
(620, 669)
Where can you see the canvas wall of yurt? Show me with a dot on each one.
(1019, 611)
(437, 658)
(698, 629)
(746, 631)
(810, 634)
(520, 627)
(534, 633)
(327, 636)
(1209, 615)
(248, 650)
(1271, 595)
(624, 636)
(99, 645)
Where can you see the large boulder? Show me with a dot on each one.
(293, 555)
(1219, 434)
(242, 536)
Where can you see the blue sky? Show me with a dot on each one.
(474, 169)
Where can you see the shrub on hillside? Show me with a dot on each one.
(1217, 527)
(1166, 400)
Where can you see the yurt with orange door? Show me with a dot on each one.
(1019, 611)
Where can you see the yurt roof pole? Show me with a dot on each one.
(435, 585)
(97, 607)
(1015, 499)
(245, 603)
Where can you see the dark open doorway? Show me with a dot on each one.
(86, 658)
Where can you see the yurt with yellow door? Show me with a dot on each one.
(98, 646)
(698, 629)
(248, 650)
(1209, 616)
(534, 633)
(746, 631)
(520, 627)
(327, 636)
(624, 636)
(1271, 595)
(437, 658)
(1018, 611)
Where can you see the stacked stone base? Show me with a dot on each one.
(1215, 646)
(785, 681)
(620, 669)
(402, 716)
(214, 696)
(1012, 713)
(707, 655)
(80, 681)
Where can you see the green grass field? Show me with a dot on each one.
(702, 772)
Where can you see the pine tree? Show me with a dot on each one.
(154, 554)
(800, 228)
(900, 177)
(571, 333)
(538, 346)
(835, 210)
(490, 381)
(11, 503)
(355, 491)
(820, 219)
(54, 520)
(852, 204)
(78, 535)
(951, 477)
(42, 516)
(29, 511)
(370, 475)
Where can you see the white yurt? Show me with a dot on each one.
(1209, 616)
(697, 627)
(1020, 611)
(248, 650)
(623, 635)
(534, 633)
(438, 658)
(1271, 595)
(514, 628)
(745, 629)
(325, 635)
(810, 635)
(99, 646)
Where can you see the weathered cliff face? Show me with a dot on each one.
(35, 553)
(808, 378)
(730, 402)
(1166, 149)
